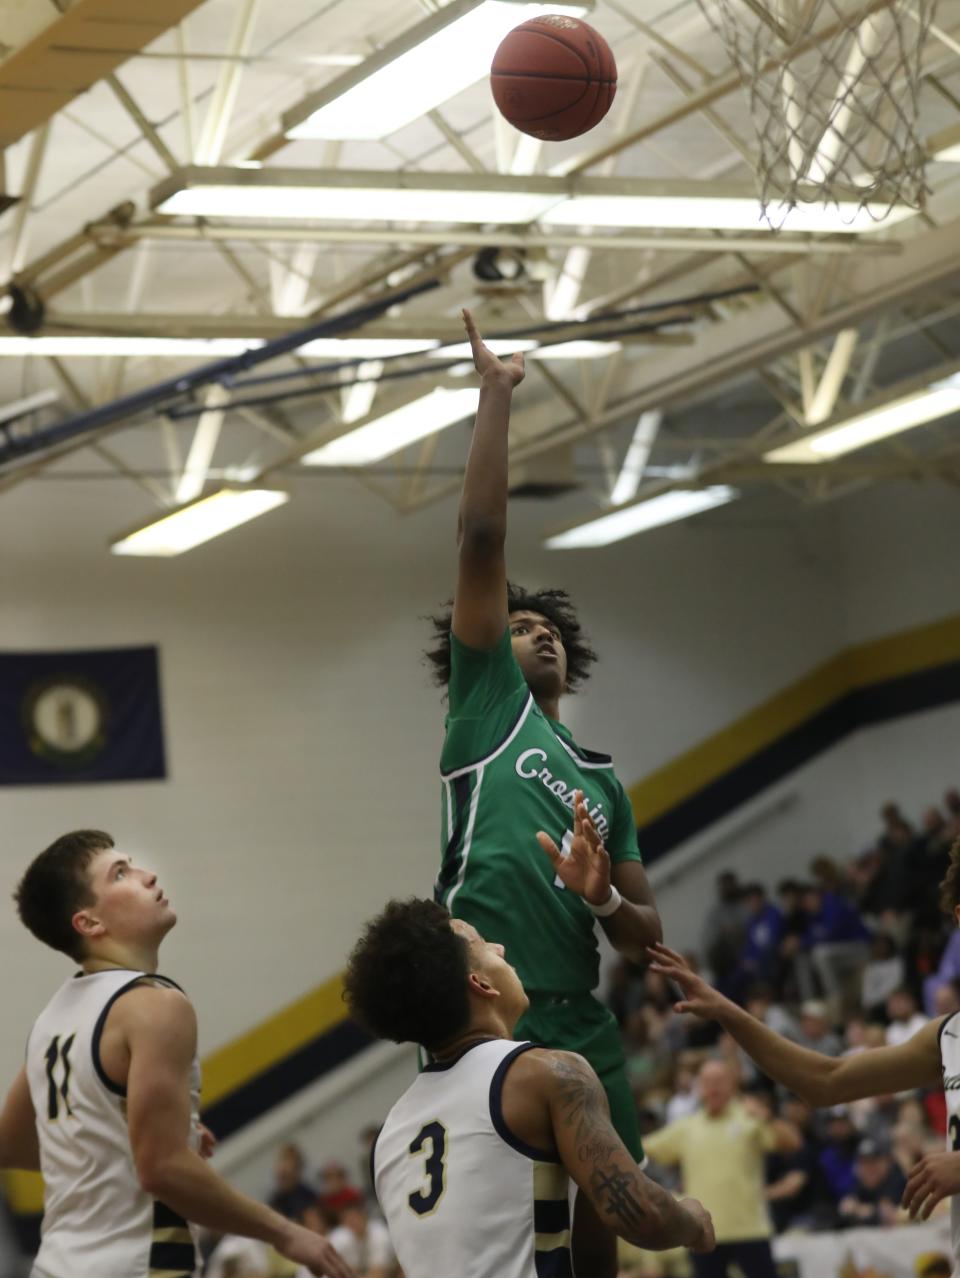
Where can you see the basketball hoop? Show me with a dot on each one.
(833, 88)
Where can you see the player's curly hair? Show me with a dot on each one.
(950, 884)
(406, 977)
(555, 605)
(56, 885)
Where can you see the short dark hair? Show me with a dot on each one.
(555, 605)
(950, 884)
(406, 977)
(56, 885)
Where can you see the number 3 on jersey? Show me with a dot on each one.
(56, 1053)
(434, 1135)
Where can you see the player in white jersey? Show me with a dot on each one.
(106, 1106)
(931, 1058)
(471, 1166)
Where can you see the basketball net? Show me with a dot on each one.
(833, 88)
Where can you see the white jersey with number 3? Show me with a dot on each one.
(461, 1193)
(949, 1036)
(97, 1221)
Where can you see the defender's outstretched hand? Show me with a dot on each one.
(698, 997)
(936, 1176)
(484, 360)
(586, 867)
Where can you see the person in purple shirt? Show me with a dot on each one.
(837, 941)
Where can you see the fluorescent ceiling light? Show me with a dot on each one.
(388, 434)
(401, 83)
(949, 155)
(360, 203)
(199, 521)
(922, 406)
(365, 347)
(696, 212)
(583, 349)
(665, 509)
(496, 345)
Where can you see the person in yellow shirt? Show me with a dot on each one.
(720, 1151)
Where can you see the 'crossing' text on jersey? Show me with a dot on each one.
(509, 771)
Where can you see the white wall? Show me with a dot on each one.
(303, 733)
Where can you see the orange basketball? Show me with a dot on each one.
(553, 77)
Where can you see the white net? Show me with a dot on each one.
(833, 88)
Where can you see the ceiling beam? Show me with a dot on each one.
(83, 45)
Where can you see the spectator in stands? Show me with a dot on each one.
(336, 1192)
(723, 929)
(291, 1193)
(764, 931)
(720, 1150)
(948, 969)
(951, 801)
(790, 893)
(814, 1030)
(878, 1187)
(836, 941)
(791, 1176)
(882, 975)
(760, 1002)
(235, 1257)
(838, 1154)
(904, 1017)
(363, 1242)
(685, 1098)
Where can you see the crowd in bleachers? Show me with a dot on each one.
(856, 954)
(331, 1202)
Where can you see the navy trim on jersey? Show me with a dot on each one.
(101, 1073)
(496, 1110)
(373, 1169)
(437, 1067)
(450, 861)
(593, 757)
(943, 1025)
(551, 1215)
(553, 1264)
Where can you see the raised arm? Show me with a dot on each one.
(480, 599)
(19, 1146)
(160, 1032)
(814, 1077)
(630, 1203)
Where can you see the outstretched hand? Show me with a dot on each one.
(698, 997)
(935, 1177)
(484, 360)
(586, 867)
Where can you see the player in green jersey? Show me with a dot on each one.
(511, 770)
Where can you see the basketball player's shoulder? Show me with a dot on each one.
(553, 1071)
(154, 1002)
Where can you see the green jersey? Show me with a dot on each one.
(508, 771)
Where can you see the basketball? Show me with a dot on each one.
(553, 77)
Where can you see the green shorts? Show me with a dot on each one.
(580, 1023)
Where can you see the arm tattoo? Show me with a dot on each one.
(582, 1105)
(616, 1190)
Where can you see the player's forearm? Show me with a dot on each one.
(639, 1210)
(632, 928)
(483, 501)
(806, 1073)
(188, 1186)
